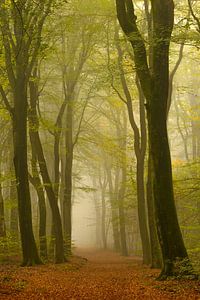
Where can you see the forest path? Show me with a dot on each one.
(105, 275)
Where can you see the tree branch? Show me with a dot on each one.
(127, 20)
(193, 15)
(6, 101)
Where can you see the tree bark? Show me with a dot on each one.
(14, 230)
(156, 258)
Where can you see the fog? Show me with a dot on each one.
(100, 131)
(83, 221)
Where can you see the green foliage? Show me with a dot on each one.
(187, 195)
(9, 248)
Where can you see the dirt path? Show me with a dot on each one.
(104, 276)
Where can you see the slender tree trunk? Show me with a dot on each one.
(37, 183)
(59, 251)
(97, 214)
(122, 136)
(67, 199)
(38, 150)
(103, 218)
(2, 215)
(122, 218)
(183, 136)
(29, 249)
(140, 141)
(14, 211)
(42, 222)
(35, 180)
(103, 185)
(142, 211)
(114, 214)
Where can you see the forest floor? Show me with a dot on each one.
(104, 275)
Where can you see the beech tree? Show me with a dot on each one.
(21, 27)
(155, 86)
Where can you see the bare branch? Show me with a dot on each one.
(193, 15)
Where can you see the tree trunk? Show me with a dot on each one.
(42, 221)
(114, 214)
(29, 249)
(2, 216)
(122, 225)
(97, 213)
(103, 184)
(103, 218)
(14, 230)
(140, 141)
(122, 136)
(142, 211)
(156, 259)
(59, 251)
(166, 217)
(37, 148)
(67, 199)
(35, 180)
